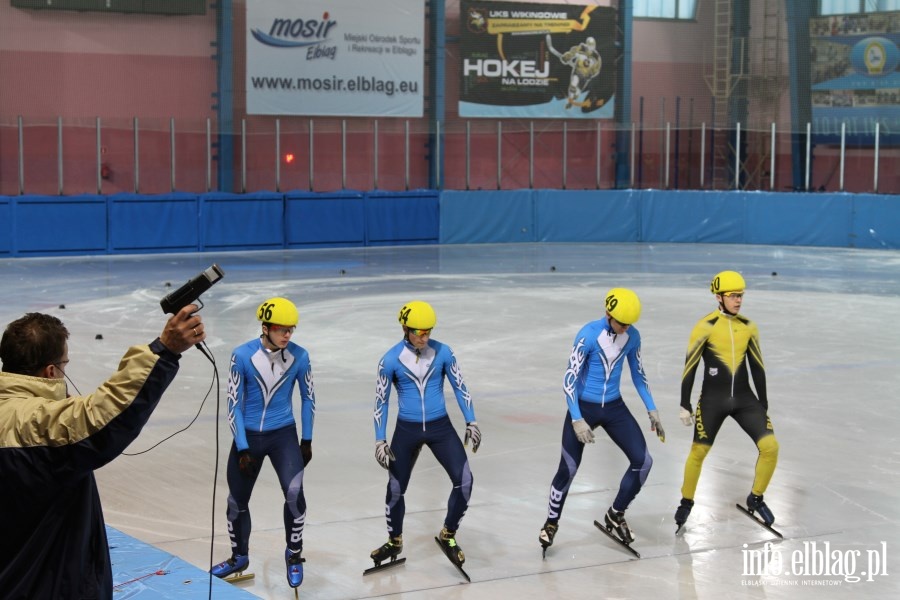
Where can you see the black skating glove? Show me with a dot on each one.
(306, 451)
(247, 464)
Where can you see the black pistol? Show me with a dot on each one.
(190, 291)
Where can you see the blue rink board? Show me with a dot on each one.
(142, 571)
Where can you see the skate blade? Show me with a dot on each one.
(759, 521)
(453, 562)
(614, 538)
(241, 576)
(385, 565)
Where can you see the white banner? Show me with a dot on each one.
(335, 57)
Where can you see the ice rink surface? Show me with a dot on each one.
(831, 343)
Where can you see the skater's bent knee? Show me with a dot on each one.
(768, 445)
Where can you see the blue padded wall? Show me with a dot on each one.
(582, 216)
(487, 217)
(7, 222)
(55, 225)
(164, 223)
(394, 218)
(324, 220)
(241, 221)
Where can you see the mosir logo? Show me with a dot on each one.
(294, 33)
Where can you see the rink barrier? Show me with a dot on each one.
(217, 221)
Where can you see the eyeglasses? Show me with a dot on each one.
(282, 329)
(620, 323)
(61, 364)
(734, 294)
(419, 332)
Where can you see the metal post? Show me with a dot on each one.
(137, 155)
(668, 133)
(808, 153)
(877, 146)
(208, 154)
(243, 156)
(564, 157)
(311, 153)
(277, 155)
(438, 145)
(633, 132)
(598, 154)
(499, 153)
(702, 151)
(59, 155)
(531, 155)
(737, 156)
(468, 151)
(172, 151)
(843, 153)
(99, 160)
(772, 161)
(21, 157)
(343, 154)
(406, 155)
(375, 158)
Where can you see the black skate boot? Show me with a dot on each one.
(548, 532)
(447, 541)
(615, 521)
(388, 551)
(682, 513)
(755, 504)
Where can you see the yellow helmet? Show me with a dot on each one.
(727, 281)
(278, 311)
(417, 315)
(623, 305)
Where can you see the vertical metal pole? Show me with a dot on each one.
(468, 151)
(277, 155)
(59, 155)
(172, 152)
(311, 153)
(343, 154)
(677, 136)
(21, 157)
(137, 155)
(843, 153)
(737, 155)
(208, 154)
(772, 160)
(531, 155)
(632, 153)
(565, 144)
(243, 156)
(598, 154)
(499, 153)
(668, 133)
(375, 157)
(99, 159)
(406, 155)
(808, 153)
(440, 144)
(877, 147)
(702, 151)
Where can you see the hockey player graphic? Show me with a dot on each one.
(585, 62)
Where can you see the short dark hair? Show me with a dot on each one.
(32, 342)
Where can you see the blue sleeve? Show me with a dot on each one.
(454, 376)
(236, 394)
(577, 360)
(382, 396)
(638, 376)
(307, 397)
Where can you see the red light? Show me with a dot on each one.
(289, 157)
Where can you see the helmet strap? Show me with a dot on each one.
(722, 308)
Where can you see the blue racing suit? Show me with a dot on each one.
(261, 418)
(591, 387)
(422, 420)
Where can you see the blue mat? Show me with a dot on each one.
(142, 571)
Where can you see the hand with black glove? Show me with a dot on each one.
(473, 433)
(383, 454)
(247, 464)
(306, 451)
